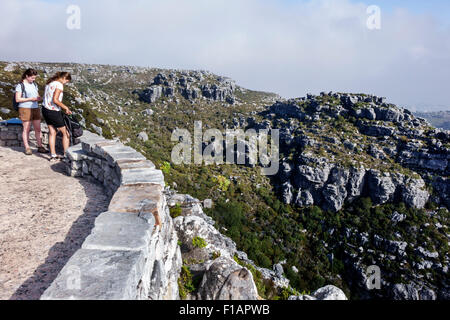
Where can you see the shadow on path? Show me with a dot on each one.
(61, 252)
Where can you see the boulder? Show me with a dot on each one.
(304, 198)
(381, 186)
(224, 279)
(334, 196)
(355, 183)
(328, 292)
(5, 111)
(278, 268)
(287, 192)
(189, 227)
(414, 193)
(143, 136)
(401, 291)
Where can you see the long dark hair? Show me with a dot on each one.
(29, 73)
(60, 75)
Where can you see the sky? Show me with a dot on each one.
(290, 47)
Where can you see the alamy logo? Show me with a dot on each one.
(373, 277)
(74, 19)
(374, 19)
(238, 147)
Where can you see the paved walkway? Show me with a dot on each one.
(45, 216)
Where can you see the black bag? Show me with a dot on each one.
(24, 95)
(74, 128)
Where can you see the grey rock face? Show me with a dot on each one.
(397, 217)
(148, 112)
(193, 223)
(389, 114)
(328, 292)
(5, 111)
(287, 110)
(442, 187)
(224, 279)
(381, 186)
(190, 94)
(143, 136)
(334, 196)
(189, 227)
(414, 193)
(367, 113)
(286, 170)
(402, 291)
(376, 130)
(151, 94)
(312, 175)
(97, 129)
(355, 183)
(427, 294)
(304, 198)
(287, 192)
(278, 268)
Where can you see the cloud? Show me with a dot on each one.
(286, 47)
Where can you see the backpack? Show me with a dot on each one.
(24, 95)
(74, 128)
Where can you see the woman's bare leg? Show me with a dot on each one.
(52, 139)
(66, 138)
(26, 133)
(37, 131)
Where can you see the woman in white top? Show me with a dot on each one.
(52, 111)
(27, 96)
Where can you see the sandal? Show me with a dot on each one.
(28, 152)
(42, 150)
(53, 159)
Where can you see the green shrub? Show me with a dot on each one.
(185, 284)
(175, 211)
(223, 182)
(165, 167)
(199, 242)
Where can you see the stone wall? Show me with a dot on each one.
(11, 135)
(126, 256)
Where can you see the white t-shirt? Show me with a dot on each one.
(50, 92)
(31, 91)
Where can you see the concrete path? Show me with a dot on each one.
(45, 216)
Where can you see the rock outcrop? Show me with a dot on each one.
(221, 276)
(326, 293)
(316, 174)
(191, 86)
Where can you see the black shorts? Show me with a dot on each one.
(53, 118)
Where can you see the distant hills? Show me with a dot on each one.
(439, 119)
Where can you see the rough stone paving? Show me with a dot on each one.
(45, 216)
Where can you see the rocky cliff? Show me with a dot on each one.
(348, 146)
